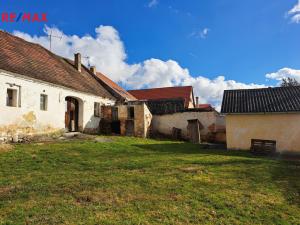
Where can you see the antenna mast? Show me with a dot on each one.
(88, 60)
(50, 39)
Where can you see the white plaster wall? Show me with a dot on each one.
(164, 123)
(29, 114)
(147, 119)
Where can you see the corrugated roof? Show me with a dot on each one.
(32, 60)
(263, 100)
(183, 92)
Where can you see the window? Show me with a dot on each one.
(130, 112)
(43, 102)
(97, 109)
(114, 114)
(11, 97)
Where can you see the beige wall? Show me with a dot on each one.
(211, 122)
(283, 128)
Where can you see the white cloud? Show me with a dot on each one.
(200, 34)
(106, 51)
(296, 18)
(211, 90)
(295, 13)
(204, 33)
(284, 73)
(152, 3)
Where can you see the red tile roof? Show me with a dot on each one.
(204, 106)
(115, 87)
(183, 92)
(34, 61)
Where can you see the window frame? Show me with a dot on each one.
(13, 101)
(130, 113)
(97, 109)
(115, 113)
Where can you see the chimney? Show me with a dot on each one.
(78, 61)
(93, 69)
(197, 101)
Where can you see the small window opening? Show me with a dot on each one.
(11, 97)
(97, 109)
(114, 114)
(130, 112)
(43, 102)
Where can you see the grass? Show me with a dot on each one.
(136, 181)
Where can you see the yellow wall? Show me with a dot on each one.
(283, 128)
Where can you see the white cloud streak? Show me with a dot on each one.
(152, 3)
(284, 73)
(107, 52)
(200, 34)
(295, 13)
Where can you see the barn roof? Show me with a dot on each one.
(34, 61)
(183, 92)
(263, 100)
(115, 88)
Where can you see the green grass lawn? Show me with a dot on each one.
(136, 181)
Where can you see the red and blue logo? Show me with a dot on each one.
(23, 17)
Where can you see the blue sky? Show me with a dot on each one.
(241, 40)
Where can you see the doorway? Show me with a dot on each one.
(71, 114)
(193, 130)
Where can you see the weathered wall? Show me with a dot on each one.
(29, 119)
(211, 122)
(283, 128)
(142, 119)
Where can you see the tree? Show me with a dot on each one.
(289, 82)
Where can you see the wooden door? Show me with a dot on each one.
(194, 131)
(71, 114)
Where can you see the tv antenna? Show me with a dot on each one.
(88, 60)
(53, 36)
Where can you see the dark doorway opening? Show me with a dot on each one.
(71, 114)
(115, 124)
(115, 127)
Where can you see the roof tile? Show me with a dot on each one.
(32, 60)
(263, 100)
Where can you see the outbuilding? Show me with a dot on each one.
(266, 115)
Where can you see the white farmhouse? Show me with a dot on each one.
(41, 92)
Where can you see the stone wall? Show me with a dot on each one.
(142, 118)
(213, 124)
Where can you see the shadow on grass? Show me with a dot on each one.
(286, 175)
(188, 148)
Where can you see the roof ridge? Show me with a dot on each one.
(265, 88)
(145, 89)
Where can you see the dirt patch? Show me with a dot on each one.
(193, 169)
(6, 148)
(114, 198)
(5, 191)
(103, 139)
